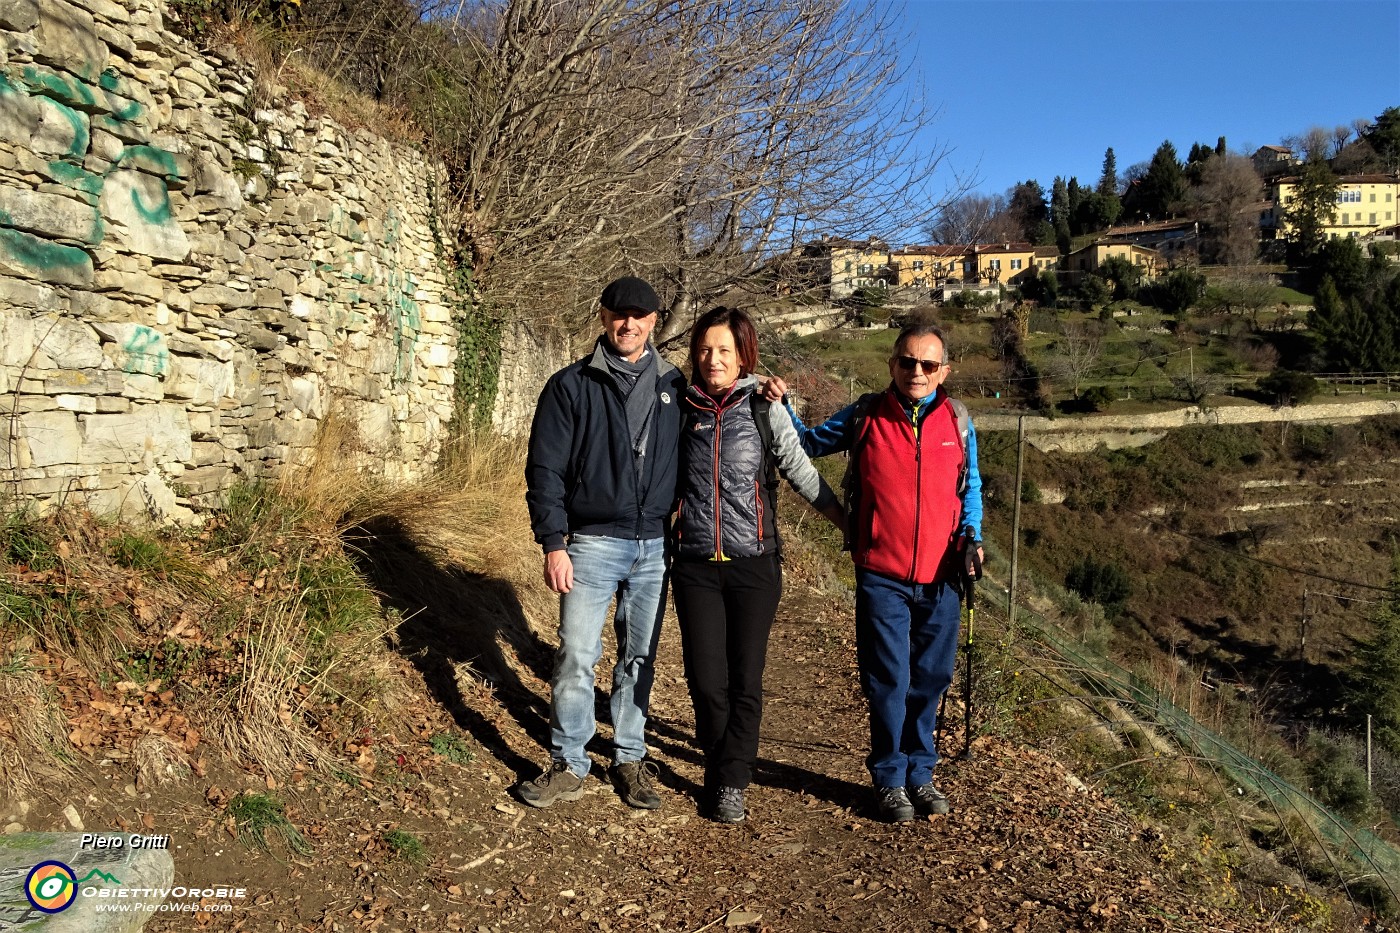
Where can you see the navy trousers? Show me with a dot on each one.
(906, 645)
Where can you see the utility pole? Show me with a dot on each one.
(1303, 630)
(1016, 521)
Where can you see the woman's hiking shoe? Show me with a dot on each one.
(929, 800)
(894, 804)
(729, 805)
(633, 781)
(555, 784)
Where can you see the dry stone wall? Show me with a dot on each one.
(190, 281)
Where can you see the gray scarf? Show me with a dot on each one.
(637, 383)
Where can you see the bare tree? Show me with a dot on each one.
(800, 135)
(689, 141)
(973, 218)
(1226, 202)
(1312, 145)
(1076, 352)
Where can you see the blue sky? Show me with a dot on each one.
(1039, 88)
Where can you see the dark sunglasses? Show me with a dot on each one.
(907, 363)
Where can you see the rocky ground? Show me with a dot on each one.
(1026, 848)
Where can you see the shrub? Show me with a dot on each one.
(1098, 398)
(1103, 582)
(1288, 387)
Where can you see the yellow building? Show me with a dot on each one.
(928, 266)
(1090, 258)
(1365, 204)
(1005, 263)
(858, 264)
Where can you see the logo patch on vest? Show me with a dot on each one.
(665, 398)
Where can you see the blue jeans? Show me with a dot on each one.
(634, 572)
(906, 644)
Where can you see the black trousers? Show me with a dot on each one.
(726, 611)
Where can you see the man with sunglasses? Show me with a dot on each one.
(914, 498)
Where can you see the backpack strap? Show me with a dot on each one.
(850, 480)
(760, 407)
(964, 422)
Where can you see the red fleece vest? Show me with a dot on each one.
(909, 505)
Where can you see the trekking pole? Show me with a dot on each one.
(973, 562)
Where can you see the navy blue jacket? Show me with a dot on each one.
(580, 475)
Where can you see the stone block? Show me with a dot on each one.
(130, 284)
(67, 38)
(69, 343)
(136, 207)
(47, 438)
(19, 15)
(222, 296)
(50, 215)
(135, 348)
(86, 404)
(142, 387)
(112, 405)
(203, 382)
(18, 337)
(31, 257)
(161, 432)
(82, 382)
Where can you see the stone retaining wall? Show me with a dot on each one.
(192, 279)
(1080, 435)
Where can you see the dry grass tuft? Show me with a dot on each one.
(32, 732)
(159, 761)
(281, 68)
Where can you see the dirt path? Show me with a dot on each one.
(1022, 850)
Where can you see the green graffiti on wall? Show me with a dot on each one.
(145, 352)
(73, 100)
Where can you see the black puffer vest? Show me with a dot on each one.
(726, 502)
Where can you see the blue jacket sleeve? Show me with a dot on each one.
(830, 437)
(972, 495)
(546, 465)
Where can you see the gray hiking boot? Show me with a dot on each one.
(554, 784)
(929, 799)
(894, 804)
(633, 781)
(729, 805)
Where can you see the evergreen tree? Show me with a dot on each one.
(1376, 688)
(1074, 197)
(1220, 149)
(1196, 163)
(1059, 203)
(1030, 213)
(1108, 179)
(1164, 185)
(1310, 208)
(1384, 137)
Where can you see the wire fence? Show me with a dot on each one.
(1373, 857)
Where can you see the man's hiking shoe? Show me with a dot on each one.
(633, 781)
(929, 799)
(729, 805)
(555, 784)
(894, 804)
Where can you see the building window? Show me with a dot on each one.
(1373, 197)
(994, 264)
(848, 266)
(1015, 263)
(1346, 218)
(969, 267)
(918, 265)
(865, 268)
(1373, 218)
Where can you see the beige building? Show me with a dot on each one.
(1365, 204)
(1092, 257)
(857, 264)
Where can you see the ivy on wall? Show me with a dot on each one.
(477, 371)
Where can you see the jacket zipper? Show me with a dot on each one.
(918, 498)
(758, 501)
(714, 475)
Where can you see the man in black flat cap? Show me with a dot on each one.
(600, 477)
